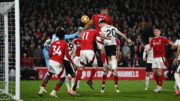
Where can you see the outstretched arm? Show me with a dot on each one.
(70, 36)
(124, 36)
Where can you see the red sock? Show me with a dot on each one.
(78, 75)
(43, 84)
(56, 88)
(104, 79)
(160, 79)
(93, 71)
(156, 78)
(103, 58)
(115, 79)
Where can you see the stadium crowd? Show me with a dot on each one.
(135, 18)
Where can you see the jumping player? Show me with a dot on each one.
(104, 15)
(110, 49)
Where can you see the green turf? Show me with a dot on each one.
(129, 91)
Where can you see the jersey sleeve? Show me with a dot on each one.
(97, 33)
(144, 52)
(177, 42)
(165, 40)
(110, 21)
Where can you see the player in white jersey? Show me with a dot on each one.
(110, 49)
(177, 73)
(149, 61)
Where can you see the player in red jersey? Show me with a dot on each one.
(158, 44)
(57, 51)
(104, 15)
(87, 54)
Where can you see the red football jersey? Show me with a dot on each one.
(96, 18)
(88, 38)
(57, 51)
(158, 45)
(77, 42)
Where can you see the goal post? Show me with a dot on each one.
(9, 50)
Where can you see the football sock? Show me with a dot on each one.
(156, 78)
(147, 81)
(177, 79)
(46, 79)
(115, 79)
(72, 83)
(160, 79)
(104, 79)
(93, 71)
(67, 84)
(78, 75)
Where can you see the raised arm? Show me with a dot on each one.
(71, 36)
(124, 36)
(144, 54)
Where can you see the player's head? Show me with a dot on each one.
(104, 10)
(157, 32)
(150, 38)
(102, 23)
(60, 32)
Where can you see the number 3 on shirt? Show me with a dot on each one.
(85, 36)
(56, 50)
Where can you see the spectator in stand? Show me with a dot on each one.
(126, 55)
(25, 61)
(38, 56)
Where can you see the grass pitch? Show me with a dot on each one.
(129, 91)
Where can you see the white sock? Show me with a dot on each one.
(67, 85)
(78, 83)
(72, 83)
(177, 79)
(115, 86)
(175, 86)
(147, 81)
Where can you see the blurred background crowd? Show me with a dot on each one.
(135, 18)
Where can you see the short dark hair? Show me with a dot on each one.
(102, 21)
(60, 32)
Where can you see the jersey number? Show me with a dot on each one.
(71, 46)
(111, 32)
(85, 36)
(56, 50)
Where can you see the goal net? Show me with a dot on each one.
(9, 51)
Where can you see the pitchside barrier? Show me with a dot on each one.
(123, 73)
